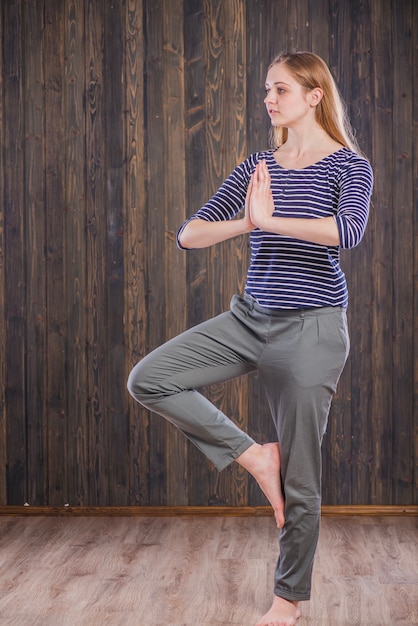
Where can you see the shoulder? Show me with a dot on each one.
(353, 174)
(351, 165)
(345, 159)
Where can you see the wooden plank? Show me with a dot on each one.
(353, 510)
(235, 257)
(195, 151)
(259, 57)
(381, 459)
(226, 62)
(173, 108)
(14, 267)
(155, 231)
(415, 261)
(403, 251)
(75, 252)
(275, 29)
(98, 351)
(114, 46)
(56, 392)
(349, 427)
(34, 190)
(135, 244)
(319, 28)
(195, 147)
(3, 338)
(360, 282)
(298, 34)
(214, 174)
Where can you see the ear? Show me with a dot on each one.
(315, 96)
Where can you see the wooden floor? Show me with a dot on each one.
(204, 571)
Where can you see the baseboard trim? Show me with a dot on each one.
(209, 511)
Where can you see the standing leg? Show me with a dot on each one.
(300, 369)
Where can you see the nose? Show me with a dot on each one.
(268, 97)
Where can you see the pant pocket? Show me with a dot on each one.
(322, 350)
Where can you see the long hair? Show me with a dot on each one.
(311, 71)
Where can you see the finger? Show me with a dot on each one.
(254, 176)
(250, 186)
(263, 173)
(260, 170)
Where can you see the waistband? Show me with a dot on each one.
(301, 312)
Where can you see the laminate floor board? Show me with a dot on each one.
(201, 571)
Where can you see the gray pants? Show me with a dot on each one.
(299, 355)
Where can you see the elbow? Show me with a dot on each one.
(189, 236)
(350, 233)
(183, 241)
(351, 240)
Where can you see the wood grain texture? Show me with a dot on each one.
(173, 111)
(136, 243)
(367, 510)
(415, 194)
(56, 393)
(115, 154)
(34, 223)
(355, 431)
(197, 570)
(155, 232)
(96, 251)
(75, 253)
(16, 470)
(382, 220)
(197, 260)
(403, 252)
(3, 334)
(347, 431)
(118, 121)
(226, 108)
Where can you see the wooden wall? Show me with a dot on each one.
(118, 120)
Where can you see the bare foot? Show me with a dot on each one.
(263, 462)
(282, 613)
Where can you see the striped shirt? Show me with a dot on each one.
(287, 273)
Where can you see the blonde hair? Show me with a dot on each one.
(311, 71)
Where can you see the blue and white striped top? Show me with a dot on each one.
(287, 273)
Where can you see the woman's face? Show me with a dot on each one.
(287, 102)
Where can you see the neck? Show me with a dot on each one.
(299, 143)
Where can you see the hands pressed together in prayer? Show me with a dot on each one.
(259, 208)
(259, 204)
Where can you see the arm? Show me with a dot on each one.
(323, 231)
(199, 233)
(346, 229)
(202, 233)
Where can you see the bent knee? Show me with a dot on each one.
(139, 385)
(148, 383)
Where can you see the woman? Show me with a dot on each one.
(300, 202)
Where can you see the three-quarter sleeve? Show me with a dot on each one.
(356, 184)
(229, 200)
